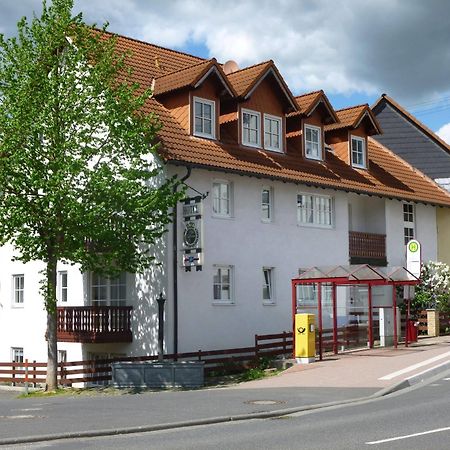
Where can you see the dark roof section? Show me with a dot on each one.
(411, 140)
(352, 117)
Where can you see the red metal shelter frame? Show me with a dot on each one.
(347, 276)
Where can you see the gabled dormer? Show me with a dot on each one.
(256, 118)
(306, 126)
(348, 138)
(193, 95)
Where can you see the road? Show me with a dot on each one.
(413, 419)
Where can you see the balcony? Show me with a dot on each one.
(367, 248)
(94, 324)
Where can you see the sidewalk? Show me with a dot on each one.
(338, 379)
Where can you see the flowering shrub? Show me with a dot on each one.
(434, 290)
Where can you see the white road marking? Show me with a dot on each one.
(382, 441)
(414, 367)
(446, 379)
(18, 417)
(427, 370)
(27, 409)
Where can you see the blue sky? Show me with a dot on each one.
(352, 49)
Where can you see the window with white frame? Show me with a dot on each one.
(204, 118)
(273, 133)
(268, 285)
(108, 291)
(315, 210)
(313, 142)
(251, 128)
(223, 284)
(62, 284)
(408, 222)
(18, 282)
(266, 204)
(17, 354)
(358, 151)
(221, 197)
(62, 356)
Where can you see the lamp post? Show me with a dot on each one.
(161, 300)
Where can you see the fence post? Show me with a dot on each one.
(256, 347)
(199, 355)
(284, 342)
(26, 376)
(34, 373)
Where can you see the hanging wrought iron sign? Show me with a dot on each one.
(192, 233)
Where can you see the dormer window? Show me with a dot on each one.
(204, 118)
(251, 128)
(313, 142)
(272, 133)
(358, 151)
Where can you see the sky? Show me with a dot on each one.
(354, 50)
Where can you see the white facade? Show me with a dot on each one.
(246, 243)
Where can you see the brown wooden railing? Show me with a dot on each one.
(93, 324)
(367, 245)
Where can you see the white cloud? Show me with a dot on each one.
(444, 133)
(342, 46)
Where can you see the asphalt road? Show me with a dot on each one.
(418, 418)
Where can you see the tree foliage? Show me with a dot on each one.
(80, 180)
(434, 289)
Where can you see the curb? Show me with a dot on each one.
(402, 385)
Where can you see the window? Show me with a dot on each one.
(62, 284)
(272, 133)
(268, 294)
(204, 118)
(222, 199)
(408, 222)
(106, 291)
(62, 356)
(358, 152)
(222, 284)
(266, 205)
(17, 354)
(18, 289)
(251, 128)
(316, 210)
(313, 142)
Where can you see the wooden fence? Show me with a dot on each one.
(99, 371)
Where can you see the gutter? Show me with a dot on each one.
(175, 265)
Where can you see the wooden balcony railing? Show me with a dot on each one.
(94, 324)
(367, 248)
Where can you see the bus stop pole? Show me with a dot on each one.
(369, 291)
(394, 305)
(335, 324)
(294, 311)
(319, 310)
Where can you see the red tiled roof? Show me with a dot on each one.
(350, 118)
(244, 79)
(389, 176)
(308, 102)
(430, 133)
(189, 77)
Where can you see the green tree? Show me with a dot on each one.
(80, 180)
(434, 288)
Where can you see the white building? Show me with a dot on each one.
(285, 183)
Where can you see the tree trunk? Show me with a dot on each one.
(52, 347)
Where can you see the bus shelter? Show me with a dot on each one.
(356, 302)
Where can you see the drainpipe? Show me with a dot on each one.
(175, 267)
